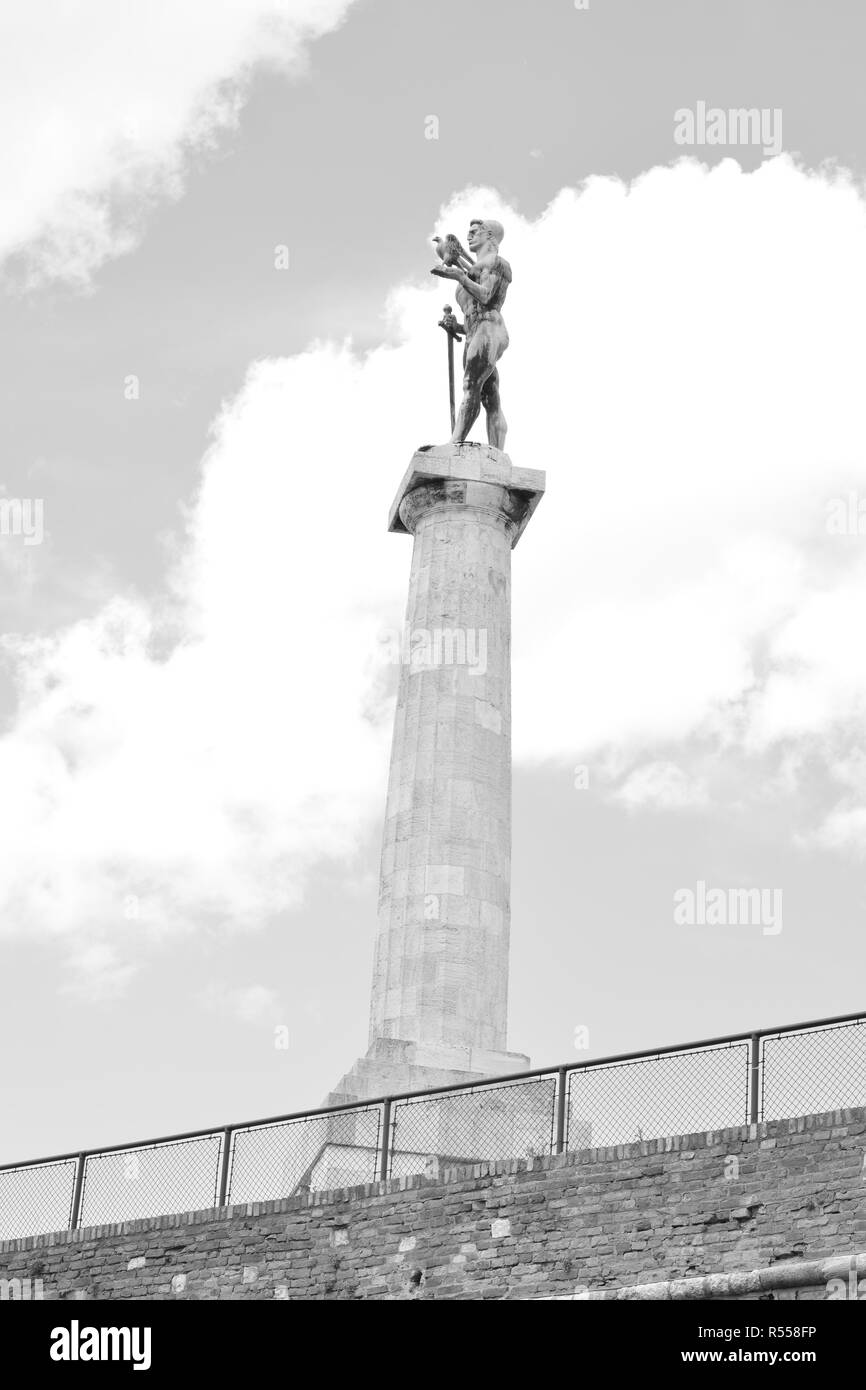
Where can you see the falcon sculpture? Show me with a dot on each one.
(450, 252)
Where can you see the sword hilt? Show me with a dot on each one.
(450, 324)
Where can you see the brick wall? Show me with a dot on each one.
(749, 1199)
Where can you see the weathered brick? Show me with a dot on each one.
(611, 1222)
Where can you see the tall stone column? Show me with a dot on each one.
(438, 1011)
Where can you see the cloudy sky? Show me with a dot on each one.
(219, 353)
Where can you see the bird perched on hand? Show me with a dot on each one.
(450, 252)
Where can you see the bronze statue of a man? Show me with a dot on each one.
(482, 292)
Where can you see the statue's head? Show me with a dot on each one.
(482, 231)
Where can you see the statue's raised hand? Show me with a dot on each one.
(447, 272)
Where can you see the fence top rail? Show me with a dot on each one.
(646, 1054)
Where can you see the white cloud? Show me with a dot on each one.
(686, 362)
(203, 777)
(246, 1003)
(104, 105)
(96, 971)
(818, 676)
(662, 786)
(844, 829)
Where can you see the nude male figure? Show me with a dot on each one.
(481, 295)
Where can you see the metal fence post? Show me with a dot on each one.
(754, 1069)
(222, 1199)
(386, 1140)
(560, 1111)
(77, 1191)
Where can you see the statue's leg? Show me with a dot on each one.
(497, 426)
(477, 369)
(470, 408)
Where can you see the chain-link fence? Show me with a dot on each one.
(311, 1154)
(480, 1124)
(131, 1183)
(37, 1197)
(808, 1068)
(650, 1097)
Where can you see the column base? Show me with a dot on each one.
(455, 1128)
(393, 1065)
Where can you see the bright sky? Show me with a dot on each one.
(194, 716)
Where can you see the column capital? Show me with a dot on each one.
(452, 472)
